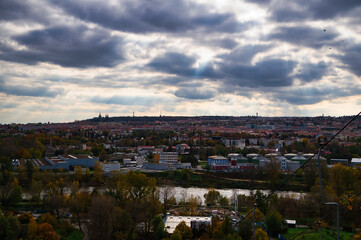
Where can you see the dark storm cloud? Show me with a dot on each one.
(310, 72)
(128, 100)
(305, 36)
(227, 43)
(299, 10)
(20, 90)
(313, 95)
(11, 10)
(352, 58)
(243, 54)
(265, 73)
(234, 68)
(66, 46)
(194, 93)
(182, 65)
(151, 15)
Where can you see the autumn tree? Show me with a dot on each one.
(273, 170)
(98, 172)
(343, 179)
(46, 232)
(139, 195)
(55, 199)
(32, 230)
(78, 172)
(101, 215)
(78, 205)
(261, 234)
(48, 218)
(123, 227)
(185, 231)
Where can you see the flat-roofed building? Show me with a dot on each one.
(79, 160)
(166, 157)
(111, 166)
(334, 161)
(52, 163)
(356, 162)
(194, 222)
(218, 163)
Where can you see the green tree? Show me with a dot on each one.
(273, 222)
(227, 226)
(14, 227)
(5, 227)
(245, 229)
(158, 228)
(212, 197)
(176, 235)
(29, 169)
(16, 195)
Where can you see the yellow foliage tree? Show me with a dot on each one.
(46, 232)
(32, 229)
(261, 234)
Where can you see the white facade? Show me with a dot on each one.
(171, 222)
(111, 166)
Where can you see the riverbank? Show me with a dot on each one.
(222, 181)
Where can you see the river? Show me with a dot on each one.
(181, 193)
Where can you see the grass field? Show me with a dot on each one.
(328, 234)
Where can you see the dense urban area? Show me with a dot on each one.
(207, 177)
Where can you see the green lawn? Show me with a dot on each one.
(309, 234)
(76, 235)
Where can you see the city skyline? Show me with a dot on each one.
(66, 61)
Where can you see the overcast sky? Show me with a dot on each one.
(69, 60)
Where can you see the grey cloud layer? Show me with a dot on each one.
(128, 100)
(305, 36)
(21, 90)
(66, 46)
(151, 15)
(268, 72)
(245, 66)
(312, 95)
(299, 10)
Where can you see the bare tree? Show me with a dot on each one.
(184, 195)
(167, 193)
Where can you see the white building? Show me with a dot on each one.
(111, 166)
(356, 162)
(195, 222)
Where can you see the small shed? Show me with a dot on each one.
(290, 223)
